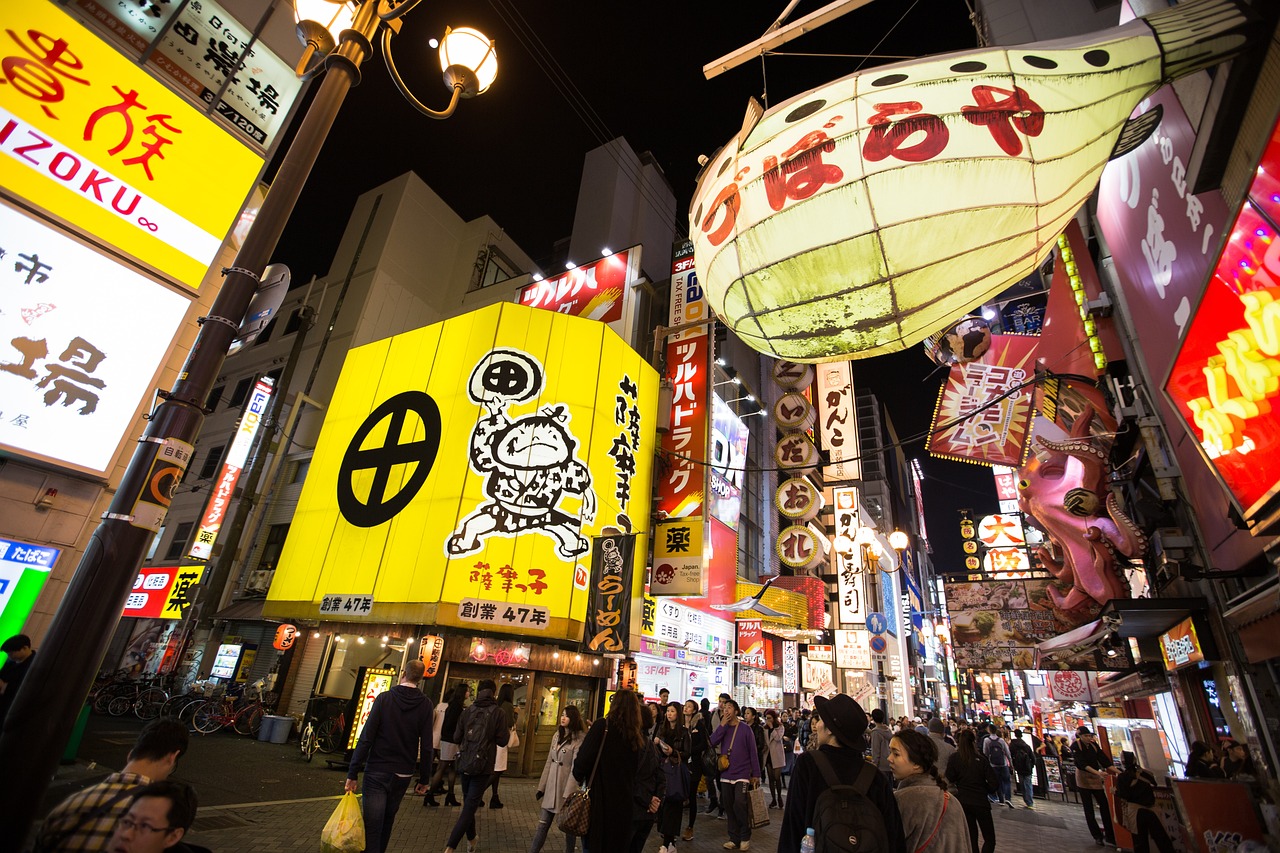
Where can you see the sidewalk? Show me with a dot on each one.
(294, 825)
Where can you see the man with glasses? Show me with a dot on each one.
(159, 816)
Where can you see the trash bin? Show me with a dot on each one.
(275, 729)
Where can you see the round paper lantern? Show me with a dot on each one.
(789, 375)
(793, 412)
(285, 637)
(798, 547)
(858, 217)
(797, 499)
(795, 454)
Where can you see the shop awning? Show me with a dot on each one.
(1256, 617)
(1072, 644)
(1145, 618)
(245, 610)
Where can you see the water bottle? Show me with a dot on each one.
(806, 844)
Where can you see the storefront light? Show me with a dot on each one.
(555, 655)
(315, 635)
(360, 640)
(386, 638)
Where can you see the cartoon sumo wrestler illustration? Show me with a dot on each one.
(529, 463)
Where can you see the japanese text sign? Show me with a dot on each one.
(596, 290)
(678, 558)
(24, 568)
(608, 624)
(98, 142)
(376, 681)
(847, 556)
(430, 653)
(74, 366)
(983, 414)
(790, 666)
(853, 649)
(1180, 645)
(837, 423)
(475, 459)
(1222, 379)
(754, 649)
(162, 592)
(681, 488)
(688, 304)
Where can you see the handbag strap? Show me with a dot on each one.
(946, 798)
(733, 737)
(599, 752)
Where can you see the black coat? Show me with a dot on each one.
(625, 782)
(971, 780)
(807, 783)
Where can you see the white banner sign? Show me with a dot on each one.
(814, 674)
(81, 339)
(853, 649)
(837, 422)
(790, 667)
(848, 563)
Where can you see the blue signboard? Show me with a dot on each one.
(889, 602)
(876, 623)
(23, 570)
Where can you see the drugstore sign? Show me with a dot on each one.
(99, 143)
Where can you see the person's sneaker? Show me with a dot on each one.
(662, 849)
(721, 816)
(710, 809)
(495, 804)
(746, 845)
(1031, 806)
(729, 845)
(688, 834)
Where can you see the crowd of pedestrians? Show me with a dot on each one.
(905, 785)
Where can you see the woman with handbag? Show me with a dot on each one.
(972, 779)
(1136, 797)
(673, 743)
(624, 783)
(739, 772)
(557, 781)
(700, 753)
(931, 821)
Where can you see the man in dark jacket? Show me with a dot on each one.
(1024, 762)
(396, 738)
(481, 730)
(839, 724)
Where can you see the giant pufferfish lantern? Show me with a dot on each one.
(855, 219)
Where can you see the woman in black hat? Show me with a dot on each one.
(838, 726)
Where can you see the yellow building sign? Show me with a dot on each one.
(96, 141)
(464, 468)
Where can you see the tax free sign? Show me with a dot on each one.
(97, 142)
(466, 468)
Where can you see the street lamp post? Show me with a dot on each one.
(45, 709)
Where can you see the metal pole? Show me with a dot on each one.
(46, 707)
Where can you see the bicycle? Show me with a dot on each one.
(331, 734)
(243, 713)
(308, 741)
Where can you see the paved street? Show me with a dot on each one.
(263, 798)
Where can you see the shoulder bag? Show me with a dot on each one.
(574, 817)
(723, 761)
(946, 798)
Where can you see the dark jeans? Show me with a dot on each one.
(736, 799)
(1087, 798)
(979, 817)
(1151, 831)
(696, 773)
(640, 830)
(382, 795)
(1027, 784)
(545, 823)
(1005, 781)
(472, 793)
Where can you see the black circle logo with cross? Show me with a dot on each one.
(419, 453)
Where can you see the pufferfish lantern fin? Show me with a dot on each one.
(1137, 131)
(755, 111)
(1199, 35)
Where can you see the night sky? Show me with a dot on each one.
(573, 75)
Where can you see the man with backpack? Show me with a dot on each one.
(1024, 762)
(836, 792)
(880, 735)
(481, 730)
(997, 752)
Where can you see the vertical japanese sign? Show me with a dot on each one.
(23, 570)
(225, 485)
(375, 682)
(753, 649)
(75, 365)
(430, 653)
(984, 412)
(609, 610)
(837, 422)
(853, 649)
(849, 586)
(688, 304)
(99, 143)
(677, 558)
(790, 667)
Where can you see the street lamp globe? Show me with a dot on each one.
(864, 536)
(321, 22)
(898, 540)
(468, 59)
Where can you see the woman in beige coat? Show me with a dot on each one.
(557, 776)
(932, 820)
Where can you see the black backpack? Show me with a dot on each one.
(477, 752)
(1024, 760)
(844, 819)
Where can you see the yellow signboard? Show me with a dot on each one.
(99, 143)
(463, 470)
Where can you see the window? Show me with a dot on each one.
(155, 543)
(179, 542)
(211, 462)
(274, 376)
(295, 322)
(273, 546)
(242, 391)
(215, 397)
(300, 470)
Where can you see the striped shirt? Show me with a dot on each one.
(85, 820)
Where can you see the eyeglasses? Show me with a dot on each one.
(127, 822)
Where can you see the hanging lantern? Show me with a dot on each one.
(285, 637)
(858, 217)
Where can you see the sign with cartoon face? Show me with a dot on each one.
(464, 469)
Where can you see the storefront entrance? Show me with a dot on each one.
(539, 699)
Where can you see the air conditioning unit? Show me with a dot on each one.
(259, 580)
